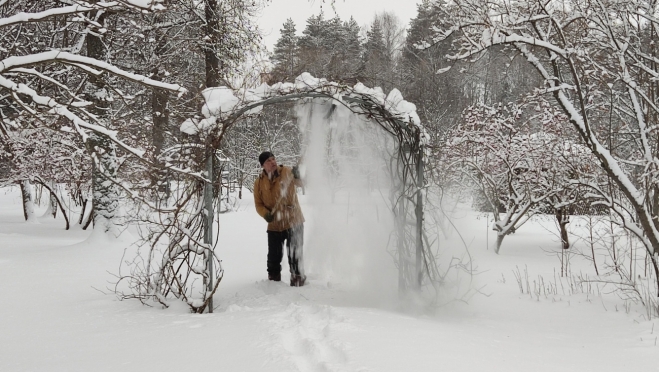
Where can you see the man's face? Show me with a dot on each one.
(270, 165)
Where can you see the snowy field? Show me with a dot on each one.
(56, 313)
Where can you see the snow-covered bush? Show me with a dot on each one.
(518, 161)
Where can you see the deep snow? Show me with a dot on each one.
(54, 315)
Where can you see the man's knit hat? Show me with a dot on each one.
(265, 155)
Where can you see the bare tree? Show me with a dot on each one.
(595, 58)
(57, 74)
(393, 37)
(517, 158)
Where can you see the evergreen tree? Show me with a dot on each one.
(439, 97)
(330, 49)
(353, 44)
(333, 43)
(285, 56)
(375, 59)
(350, 51)
(493, 78)
(313, 48)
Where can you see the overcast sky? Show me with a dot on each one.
(276, 13)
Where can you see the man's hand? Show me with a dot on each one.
(296, 172)
(269, 217)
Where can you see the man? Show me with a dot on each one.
(276, 201)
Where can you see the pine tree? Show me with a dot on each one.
(285, 56)
(312, 35)
(463, 84)
(375, 61)
(313, 48)
(350, 51)
(353, 44)
(331, 49)
(334, 43)
(438, 96)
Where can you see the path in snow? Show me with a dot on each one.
(306, 333)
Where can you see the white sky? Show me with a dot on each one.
(277, 11)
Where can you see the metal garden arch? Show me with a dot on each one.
(392, 113)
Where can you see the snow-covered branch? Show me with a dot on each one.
(11, 63)
(54, 12)
(598, 62)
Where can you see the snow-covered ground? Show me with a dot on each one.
(56, 312)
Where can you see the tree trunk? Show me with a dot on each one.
(53, 205)
(105, 191)
(160, 115)
(52, 200)
(214, 66)
(57, 202)
(500, 237)
(28, 200)
(82, 213)
(159, 100)
(563, 219)
(90, 218)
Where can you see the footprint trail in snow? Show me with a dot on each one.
(306, 337)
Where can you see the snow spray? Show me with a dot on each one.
(348, 237)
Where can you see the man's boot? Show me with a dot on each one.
(298, 280)
(274, 276)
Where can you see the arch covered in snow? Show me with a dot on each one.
(224, 106)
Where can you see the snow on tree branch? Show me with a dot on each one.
(40, 16)
(10, 63)
(598, 62)
(146, 5)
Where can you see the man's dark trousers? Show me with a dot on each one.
(294, 238)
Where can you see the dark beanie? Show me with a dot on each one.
(265, 155)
